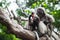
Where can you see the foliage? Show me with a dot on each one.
(3, 29)
(7, 37)
(4, 34)
(4, 3)
(50, 5)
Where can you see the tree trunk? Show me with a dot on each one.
(14, 28)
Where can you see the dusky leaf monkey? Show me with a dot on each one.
(41, 16)
(34, 24)
(33, 21)
(46, 18)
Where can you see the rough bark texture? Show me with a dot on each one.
(14, 28)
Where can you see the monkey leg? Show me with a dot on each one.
(50, 29)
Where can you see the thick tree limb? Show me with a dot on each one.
(15, 28)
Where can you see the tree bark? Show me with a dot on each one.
(14, 28)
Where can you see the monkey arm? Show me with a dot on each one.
(51, 17)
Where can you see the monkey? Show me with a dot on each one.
(47, 19)
(33, 22)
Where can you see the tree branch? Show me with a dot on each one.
(15, 28)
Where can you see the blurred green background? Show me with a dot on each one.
(24, 8)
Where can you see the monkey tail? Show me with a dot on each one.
(37, 36)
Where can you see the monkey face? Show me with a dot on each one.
(40, 12)
(35, 20)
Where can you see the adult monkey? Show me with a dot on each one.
(34, 21)
(46, 18)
